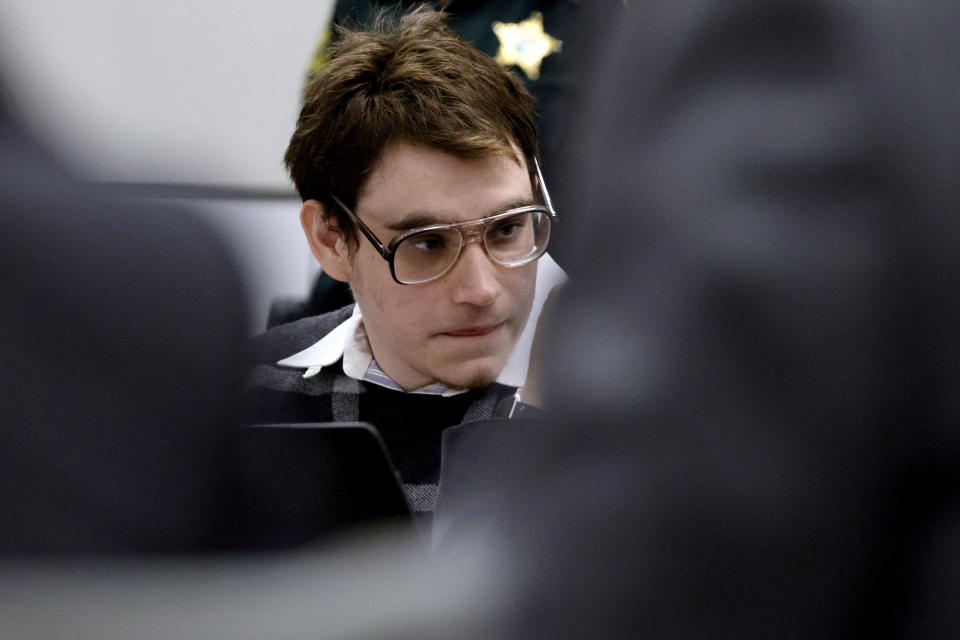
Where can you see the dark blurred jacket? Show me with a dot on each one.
(755, 374)
(122, 327)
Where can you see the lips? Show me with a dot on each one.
(474, 332)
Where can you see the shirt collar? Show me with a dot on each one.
(349, 340)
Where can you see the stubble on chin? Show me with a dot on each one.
(478, 378)
(477, 382)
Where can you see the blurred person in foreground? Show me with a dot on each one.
(762, 437)
(121, 336)
(416, 158)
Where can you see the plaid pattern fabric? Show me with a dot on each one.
(421, 497)
(411, 425)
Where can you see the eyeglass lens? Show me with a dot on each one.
(510, 241)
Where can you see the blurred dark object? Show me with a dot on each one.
(123, 329)
(326, 295)
(307, 480)
(553, 87)
(755, 374)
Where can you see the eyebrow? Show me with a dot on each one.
(416, 219)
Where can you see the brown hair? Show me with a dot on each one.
(408, 78)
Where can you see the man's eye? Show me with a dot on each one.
(427, 243)
(509, 227)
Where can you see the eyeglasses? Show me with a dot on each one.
(510, 239)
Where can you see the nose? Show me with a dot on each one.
(474, 277)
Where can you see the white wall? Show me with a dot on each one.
(197, 91)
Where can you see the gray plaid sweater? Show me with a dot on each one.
(410, 424)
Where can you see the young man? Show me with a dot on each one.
(415, 156)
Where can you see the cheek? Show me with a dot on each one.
(369, 277)
(402, 312)
(521, 283)
(417, 316)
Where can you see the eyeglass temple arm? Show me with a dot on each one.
(364, 228)
(543, 186)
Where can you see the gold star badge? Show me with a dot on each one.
(525, 44)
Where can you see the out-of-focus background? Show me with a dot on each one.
(193, 101)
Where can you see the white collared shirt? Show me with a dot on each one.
(349, 341)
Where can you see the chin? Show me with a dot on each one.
(480, 375)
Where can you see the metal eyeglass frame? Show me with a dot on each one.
(388, 252)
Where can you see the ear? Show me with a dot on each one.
(326, 241)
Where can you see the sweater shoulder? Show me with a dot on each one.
(285, 340)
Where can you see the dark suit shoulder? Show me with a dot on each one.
(287, 339)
